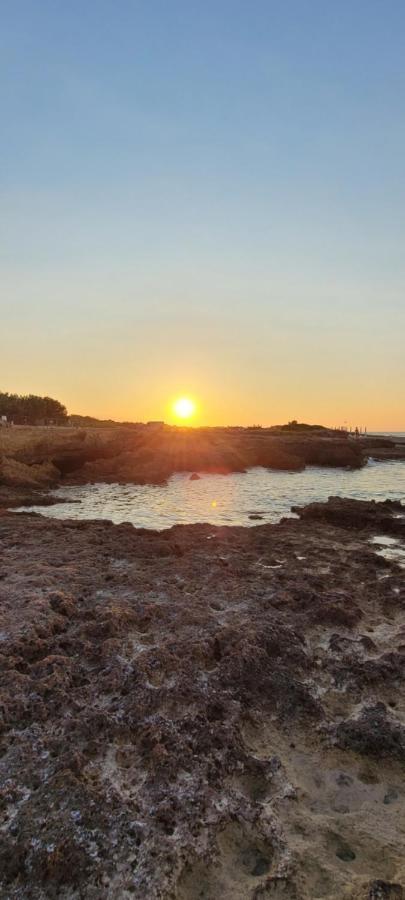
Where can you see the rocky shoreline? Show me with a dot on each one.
(32, 460)
(203, 712)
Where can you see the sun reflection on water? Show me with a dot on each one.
(226, 500)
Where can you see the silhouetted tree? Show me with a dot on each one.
(32, 410)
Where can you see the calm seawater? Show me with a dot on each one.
(229, 499)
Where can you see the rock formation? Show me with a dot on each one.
(202, 712)
(34, 458)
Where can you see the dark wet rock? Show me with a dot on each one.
(335, 609)
(373, 733)
(372, 442)
(390, 796)
(11, 497)
(389, 668)
(357, 514)
(385, 890)
(345, 853)
(331, 452)
(195, 477)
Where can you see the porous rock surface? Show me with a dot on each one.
(203, 712)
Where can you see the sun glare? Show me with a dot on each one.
(184, 408)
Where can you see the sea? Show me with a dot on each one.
(226, 499)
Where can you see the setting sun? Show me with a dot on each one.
(184, 408)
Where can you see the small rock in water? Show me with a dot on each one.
(194, 477)
(255, 516)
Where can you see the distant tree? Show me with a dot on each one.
(32, 410)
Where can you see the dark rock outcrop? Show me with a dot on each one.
(387, 517)
(373, 732)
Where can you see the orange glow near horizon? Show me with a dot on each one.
(184, 408)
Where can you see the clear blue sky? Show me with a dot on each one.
(205, 197)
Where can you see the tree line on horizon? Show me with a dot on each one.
(28, 409)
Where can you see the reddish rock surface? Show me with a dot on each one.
(203, 712)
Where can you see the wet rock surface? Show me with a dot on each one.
(203, 712)
(388, 517)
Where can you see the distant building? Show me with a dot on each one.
(156, 424)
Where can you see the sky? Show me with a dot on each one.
(205, 199)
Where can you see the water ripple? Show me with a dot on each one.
(227, 500)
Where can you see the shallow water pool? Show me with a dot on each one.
(229, 499)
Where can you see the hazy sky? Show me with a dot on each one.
(205, 198)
